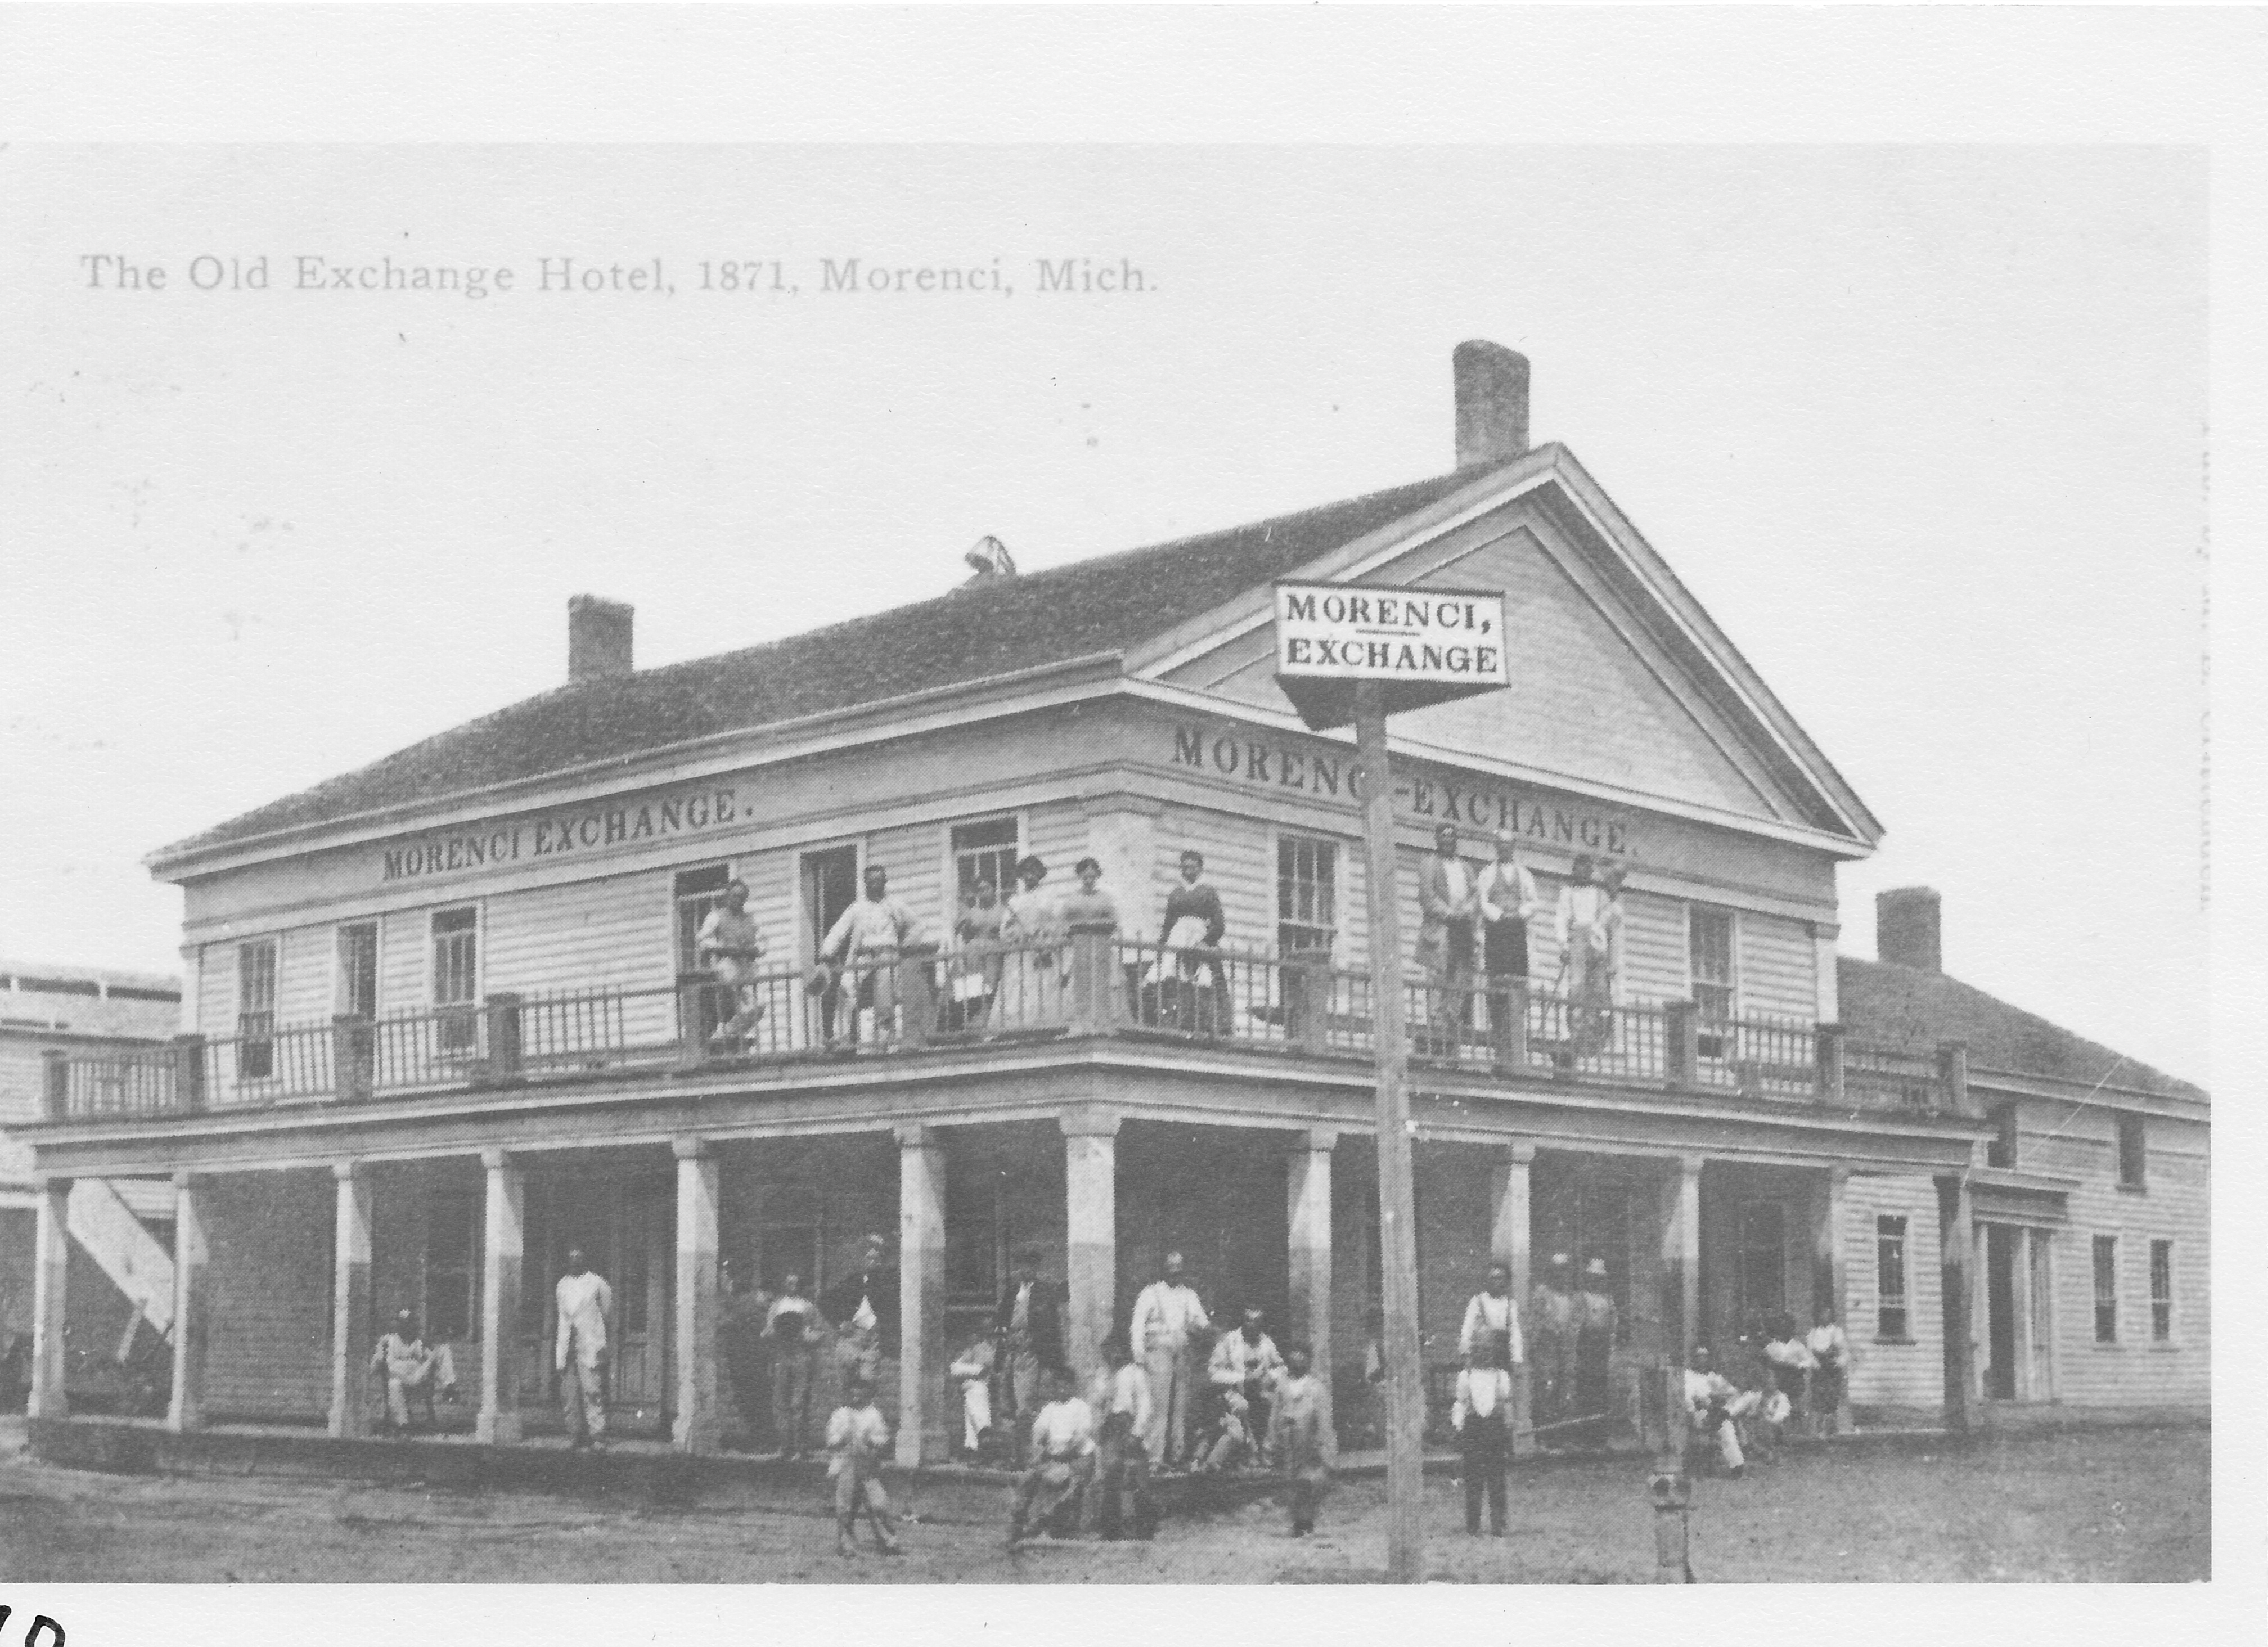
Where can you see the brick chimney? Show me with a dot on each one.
(1492, 383)
(598, 639)
(1905, 928)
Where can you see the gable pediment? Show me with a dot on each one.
(1614, 687)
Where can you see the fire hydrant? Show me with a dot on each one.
(1671, 1490)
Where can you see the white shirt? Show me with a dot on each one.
(1065, 1429)
(1453, 877)
(584, 1303)
(1829, 1346)
(790, 1304)
(867, 925)
(722, 930)
(1702, 1388)
(1236, 1359)
(855, 1431)
(1165, 1315)
(1507, 891)
(1496, 1315)
(1480, 1392)
(1126, 1390)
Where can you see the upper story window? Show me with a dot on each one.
(358, 969)
(1307, 894)
(2002, 1152)
(255, 1009)
(984, 850)
(2134, 1154)
(456, 976)
(1709, 950)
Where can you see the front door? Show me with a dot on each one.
(830, 885)
(626, 1231)
(2001, 1242)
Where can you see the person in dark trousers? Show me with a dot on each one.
(1028, 1329)
(1122, 1412)
(794, 1356)
(747, 1353)
(1596, 1324)
(1299, 1438)
(1482, 1421)
(863, 1308)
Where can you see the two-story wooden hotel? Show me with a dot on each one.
(445, 1020)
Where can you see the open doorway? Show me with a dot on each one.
(2002, 1245)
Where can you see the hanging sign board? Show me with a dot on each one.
(1424, 645)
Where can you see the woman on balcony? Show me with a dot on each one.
(1033, 929)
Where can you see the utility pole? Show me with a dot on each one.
(1405, 1376)
(1355, 652)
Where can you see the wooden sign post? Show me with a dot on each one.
(1346, 652)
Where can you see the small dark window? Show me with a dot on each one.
(1890, 1320)
(1307, 894)
(456, 978)
(255, 1009)
(2002, 1150)
(2106, 1288)
(2133, 1152)
(452, 1269)
(986, 850)
(1709, 950)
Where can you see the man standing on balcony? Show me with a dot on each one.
(1590, 950)
(1167, 1316)
(1504, 895)
(866, 942)
(728, 946)
(585, 1300)
(1449, 908)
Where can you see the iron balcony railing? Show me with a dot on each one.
(1087, 982)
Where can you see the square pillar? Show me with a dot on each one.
(351, 1302)
(1956, 1223)
(1681, 1254)
(1830, 1205)
(1509, 1245)
(923, 1436)
(1091, 1233)
(1307, 1211)
(192, 1254)
(504, 1226)
(52, 1259)
(693, 1428)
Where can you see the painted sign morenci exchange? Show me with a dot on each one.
(1451, 638)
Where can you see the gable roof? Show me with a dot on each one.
(1093, 607)
(1890, 1005)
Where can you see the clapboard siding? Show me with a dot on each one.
(2082, 1141)
(217, 990)
(269, 1236)
(1886, 1374)
(611, 934)
(303, 976)
(403, 937)
(1779, 969)
(1653, 948)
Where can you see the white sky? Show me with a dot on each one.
(1924, 430)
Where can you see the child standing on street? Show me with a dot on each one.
(1483, 1420)
(858, 1436)
(1296, 1439)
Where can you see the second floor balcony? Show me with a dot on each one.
(1091, 982)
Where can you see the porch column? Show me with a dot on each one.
(922, 1432)
(1830, 1201)
(192, 1253)
(1956, 1223)
(1307, 1211)
(1091, 1233)
(52, 1244)
(694, 1428)
(1509, 1243)
(350, 1300)
(1680, 1253)
(504, 1225)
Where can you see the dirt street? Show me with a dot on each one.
(2113, 1505)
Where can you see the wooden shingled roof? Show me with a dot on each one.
(1095, 607)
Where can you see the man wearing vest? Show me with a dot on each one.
(1167, 1316)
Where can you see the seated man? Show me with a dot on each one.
(407, 1366)
(972, 1369)
(1245, 1363)
(1716, 1408)
(1235, 1439)
(1048, 1497)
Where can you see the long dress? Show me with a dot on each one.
(1030, 981)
